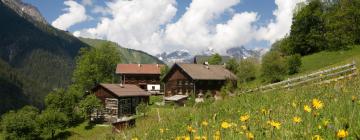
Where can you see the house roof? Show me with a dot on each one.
(138, 68)
(175, 97)
(205, 72)
(125, 90)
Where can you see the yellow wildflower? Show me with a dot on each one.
(316, 137)
(264, 111)
(353, 98)
(293, 104)
(190, 129)
(297, 119)
(342, 134)
(307, 108)
(217, 135)
(225, 125)
(317, 104)
(204, 123)
(325, 122)
(244, 118)
(244, 127)
(249, 136)
(161, 130)
(274, 124)
(186, 138)
(135, 138)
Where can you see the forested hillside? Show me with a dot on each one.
(36, 58)
(127, 55)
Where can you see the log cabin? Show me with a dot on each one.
(120, 102)
(146, 76)
(183, 79)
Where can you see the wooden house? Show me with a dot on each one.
(146, 76)
(120, 102)
(183, 79)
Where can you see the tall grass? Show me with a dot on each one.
(340, 110)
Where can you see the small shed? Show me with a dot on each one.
(120, 101)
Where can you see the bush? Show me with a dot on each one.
(273, 67)
(293, 64)
(247, 70)
(21, 124)
(142, 108)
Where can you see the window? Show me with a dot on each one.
(153, 87)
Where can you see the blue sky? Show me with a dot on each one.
(168, 35)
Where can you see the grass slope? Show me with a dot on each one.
(338, 112)
(129, 56)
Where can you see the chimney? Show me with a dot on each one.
(157, 65)
(121, 85)
(139, 65)
(206, 63)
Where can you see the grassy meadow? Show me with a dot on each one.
(302, 113)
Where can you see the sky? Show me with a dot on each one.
(157, 26)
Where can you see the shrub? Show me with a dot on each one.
(247, 70)
(21, 124)
(293, 64)
(273, 67)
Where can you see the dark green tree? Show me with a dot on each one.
(273, 67)
(89, 105)
(232, 65)
(247, 70)
(293, 63)
(163, 71)
(342, 24)
(215, 59)
(307, 30)
(64, 102)
(21, 124)
(50, 121)
(95, 65)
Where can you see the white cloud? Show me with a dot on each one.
(135, 24)
(87, 2)
(75, 13)
(278, 28)
(146, 25)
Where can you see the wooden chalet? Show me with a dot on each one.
(183, 79)
(146, 76)
(120, 102)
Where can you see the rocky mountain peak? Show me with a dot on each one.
(25, 10)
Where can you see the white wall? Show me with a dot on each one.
(149, 87)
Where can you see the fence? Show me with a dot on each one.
(325, 76)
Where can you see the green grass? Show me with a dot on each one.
(86, 132)
(339, 110)
(327, 59)
(318, 61)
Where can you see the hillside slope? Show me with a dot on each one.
(127, 55)
(38, 55)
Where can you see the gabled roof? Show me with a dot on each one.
(138, 68)
(124, 90)
(204, 72)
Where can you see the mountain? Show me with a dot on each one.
(35, 57)
(184, 56)
(129, 56)
(179, 56)
(243, 53)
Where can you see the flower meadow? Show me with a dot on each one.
(328, 111)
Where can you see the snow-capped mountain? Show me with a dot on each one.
(243, 53)
(184, 56)
(179, 56)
